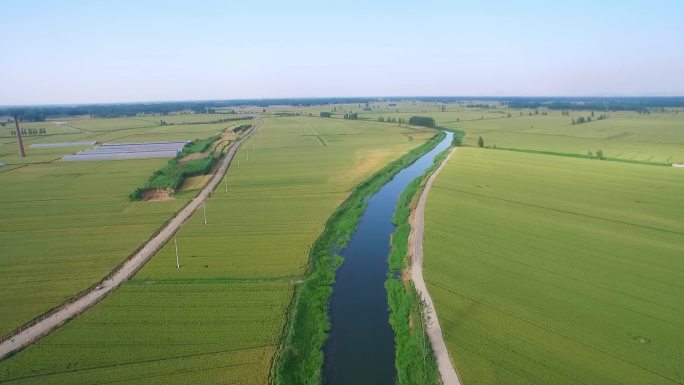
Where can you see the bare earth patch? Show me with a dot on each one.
(159, 194)
(193, 156)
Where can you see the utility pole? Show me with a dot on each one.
(204, 208)
(225, 182)
(175, 241)
(20, 140)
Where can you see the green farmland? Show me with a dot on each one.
(654, 137)
(220, 317)
(553, 270)
(69, 223)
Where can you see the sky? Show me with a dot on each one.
(67, 52)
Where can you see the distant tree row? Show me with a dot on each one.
(392, 120)
(424, 121)
(326, 114)
(641, 105)
(598, 155)
(351, 116)
(30, 131)
(588, 119)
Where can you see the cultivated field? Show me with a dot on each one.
(553, 270)
(218, 318)
(653, 137)
(66, 224)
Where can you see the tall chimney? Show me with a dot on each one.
(20, 141)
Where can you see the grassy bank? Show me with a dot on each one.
(414, 359)
(300, 358)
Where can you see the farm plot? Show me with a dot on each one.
(656, 137)
(552, 270)
(220, 316)
(68, 223)
(65, 225)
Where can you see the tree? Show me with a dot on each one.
(599, 154)
(480, 142)
(422, 121)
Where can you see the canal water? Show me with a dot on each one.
(360, 347)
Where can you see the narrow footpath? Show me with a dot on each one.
(54, 319)
(434, 331)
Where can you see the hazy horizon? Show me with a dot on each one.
(79, 52)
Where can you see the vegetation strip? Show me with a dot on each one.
(171, 176)
(414, 358)
(54, 318)
(300, 358)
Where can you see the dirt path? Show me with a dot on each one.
(68, 310)
(434, 331)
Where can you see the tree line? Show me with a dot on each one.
(588, 119)
(30, 131)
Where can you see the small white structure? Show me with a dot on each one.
(121, 151)
(678, 165)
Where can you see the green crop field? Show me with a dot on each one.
(67, 224)
(553, 270)
(653, 137)
(219, 318)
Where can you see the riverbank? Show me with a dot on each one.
(414, 358)
(447, 372)
(300, 357)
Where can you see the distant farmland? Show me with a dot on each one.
(546, 266)
(551, 270)
(220, 316)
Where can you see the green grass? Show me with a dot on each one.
(197, 145)
(554, 270)
(220, 317)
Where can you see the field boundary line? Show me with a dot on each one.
(45, 323)
(444, 364)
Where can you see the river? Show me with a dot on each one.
(360, 346)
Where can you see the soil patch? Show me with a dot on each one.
(158, 194)
(193, 156)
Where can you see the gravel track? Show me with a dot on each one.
(434, 331)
